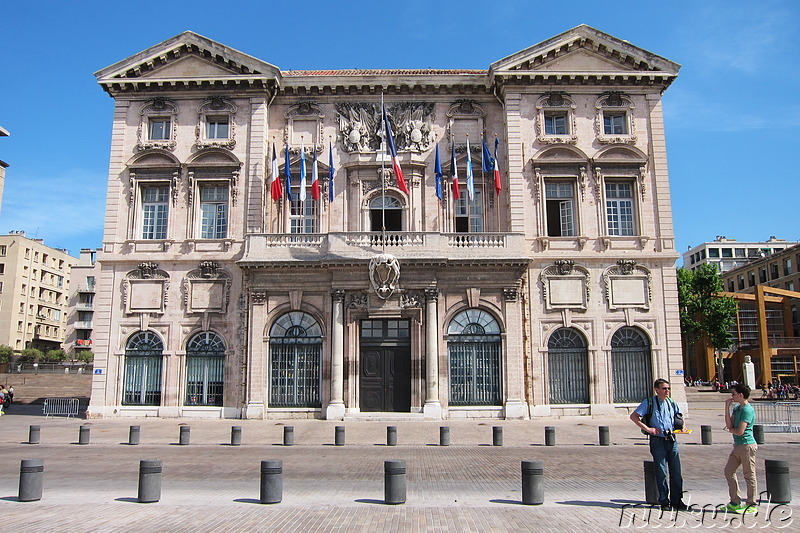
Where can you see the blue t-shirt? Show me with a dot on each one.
(744, 413)
(663, 415)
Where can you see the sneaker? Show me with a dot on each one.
(748, 508)
(679, 506)
(733, 508)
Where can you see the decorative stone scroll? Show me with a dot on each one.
(565, 286)
(145, 289)
(615, 101)
(206, 289)
(628, 285)
(216, 106)
(157, 108)
(556, 102)
(384, 273)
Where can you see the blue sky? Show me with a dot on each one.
(732, 117)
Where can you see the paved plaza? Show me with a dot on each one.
(471, 485)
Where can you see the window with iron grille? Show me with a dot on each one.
(295, 361)
(474, 347)
(631, 369)
(205, 365)
(568, 367)
(143, 361)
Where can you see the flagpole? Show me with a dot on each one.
(330, 204)
(497, 196)
(383, 179)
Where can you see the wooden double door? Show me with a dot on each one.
(385, 371)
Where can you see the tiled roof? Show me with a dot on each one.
(382, 72)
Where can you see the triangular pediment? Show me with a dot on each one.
(188, 56)
(584, 50)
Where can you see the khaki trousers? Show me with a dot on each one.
(743, 455)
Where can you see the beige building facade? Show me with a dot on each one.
(80, 320)
(549, 291)
(34, 293)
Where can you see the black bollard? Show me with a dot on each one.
(603, 435)
(533, 482)
(271, 481)
(497, 435)
(391, 435)
(31, 474)
(288, 435)
(149, 480)
(444, 436)
(779, 488)
(133, 435)
(185, 435)
(758, 433)
(236, 435)
(705, 435)
(549, 436)
(339, 436)
(83, 435)
(394, 485)
(650, 486)
(33, 434)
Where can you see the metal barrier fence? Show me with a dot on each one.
(61, 407)
(778, 417)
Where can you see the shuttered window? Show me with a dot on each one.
(631, 368)
(568, 367)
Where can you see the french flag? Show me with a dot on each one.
(498, 184)
(315, 179)
(276, 190)
(391, 150)
(454, 172)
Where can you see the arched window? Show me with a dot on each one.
(295, 343)
(631, 370)
(568, 367)
(205, 363)
(388, 211)
(473, 346)
(143, 360)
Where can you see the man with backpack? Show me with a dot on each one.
(655, 416)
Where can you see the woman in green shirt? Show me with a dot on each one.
(740, 424)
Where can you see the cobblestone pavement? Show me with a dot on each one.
(471, 485)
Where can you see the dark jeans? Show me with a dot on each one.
(665, 455)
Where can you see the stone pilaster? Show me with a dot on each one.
(335, 409)
(433, 407)
(515, 406)
(255, 402)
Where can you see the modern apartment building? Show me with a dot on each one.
(728, 254)
(281, 244)
(3, 167)
(80, 321)
(34, 293)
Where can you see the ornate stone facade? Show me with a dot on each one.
(520, 296)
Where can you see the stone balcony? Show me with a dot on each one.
(350, 247)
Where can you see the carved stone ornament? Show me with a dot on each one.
(338, 295)
(358, 301)
(465, 112)
(411, 301)
(207, 289)
(145, 289)
(305, 113)
(628, 285)
(147, 270)
(385, 179)
(565, 285)
(556, 102)
(258, 296)
(218, 106)
(157, 108)
(384, 273)
(431, 295)
(361, 126)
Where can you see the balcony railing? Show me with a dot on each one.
(83, 324)
(84, 306)
(408, 245)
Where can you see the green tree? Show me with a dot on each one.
(5, 353)
(84, 355)
(55, 356)
(704, 313)
(30, 355)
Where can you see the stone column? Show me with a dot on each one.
(432, 408)
(515, 406)
(255, 406)
(335, 409)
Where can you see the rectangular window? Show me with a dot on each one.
(302, 215)
(773, 271)
(787, 267)
(730, 285)
(702, 254)
(789, 285)
(213, 211)
(751, 279)
(619, 209)
(727, 252)
(615, 123)
(469, 215)
(741, 283)
(713, 252)
(217, 127)
(560, 207)
(2, 268)
(762, 275)
(740, 252)
(3, 250)
(154, 212)
(555, 124)
(159, 129)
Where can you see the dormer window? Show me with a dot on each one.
(157, 125)
(614, 120)
(216, 125)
